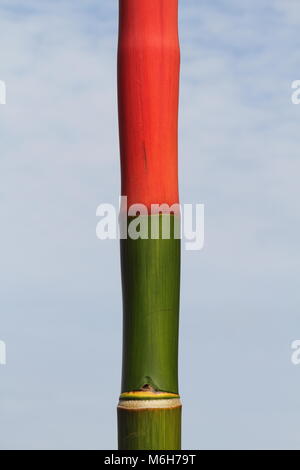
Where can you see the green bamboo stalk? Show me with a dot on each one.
(149, 412)
(151, 282)
(149, 429)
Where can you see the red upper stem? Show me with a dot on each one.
(148, 90)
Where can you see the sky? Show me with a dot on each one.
(60, 290)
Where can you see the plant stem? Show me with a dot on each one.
(149, 410)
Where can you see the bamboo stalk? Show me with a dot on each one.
(149, 410)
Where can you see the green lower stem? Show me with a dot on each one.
(149, 429)
(151, 283)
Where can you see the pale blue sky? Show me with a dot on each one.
(60, 293)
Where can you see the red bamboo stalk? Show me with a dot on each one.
(148, 88)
